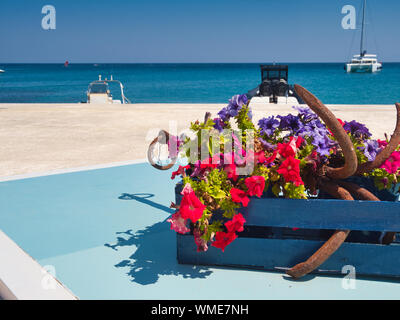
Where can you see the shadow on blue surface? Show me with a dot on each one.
(142, 197)
(155, 252)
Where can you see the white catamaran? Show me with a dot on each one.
(363, 62)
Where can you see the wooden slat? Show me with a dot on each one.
(324, 214)
(270, 254)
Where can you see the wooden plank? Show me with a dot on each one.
(323, 214)
(320, 213)
(270, 254)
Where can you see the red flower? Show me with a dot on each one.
(180, 171)
(296, 142)
(255, 185)
(236, 224)
(239, 196)
(290, 170)
(260, 156)
(273, 157)
(211, 162)
(222, 239)
(230, 170)
(286, 150)
(191, 207)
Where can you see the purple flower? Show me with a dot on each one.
(223, 114)
(323, 144)
(268, 146)
(290, 122)
(239, 100)
(357, 129)
(371, 149)
(312, 128)
(268, 125)
(306, 113)
(219, 124)
(232, 109)
(250, 114)
(236, 103)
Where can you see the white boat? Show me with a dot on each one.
(1, 71)
(99, 92)
(363, 62)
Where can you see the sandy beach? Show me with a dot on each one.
(38, 138)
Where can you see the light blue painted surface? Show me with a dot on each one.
(79, 223)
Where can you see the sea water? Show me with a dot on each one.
(191, 83)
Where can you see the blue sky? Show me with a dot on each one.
(193, 31)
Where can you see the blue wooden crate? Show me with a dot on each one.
(270, 243)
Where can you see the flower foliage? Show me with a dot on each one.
(288, 153)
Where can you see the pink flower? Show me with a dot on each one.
(229, 158)
(255, 185)
(173, 146)
(239, 196)
(238, 145)
(180, 171)
(178, 223)
(222, 239)
(236, 224)
(191, 207)
(392, 164)
(200, 242)
(382, 143)
(187, 189)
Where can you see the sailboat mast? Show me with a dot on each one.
(363, 30)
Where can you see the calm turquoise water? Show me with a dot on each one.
(196, 83)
